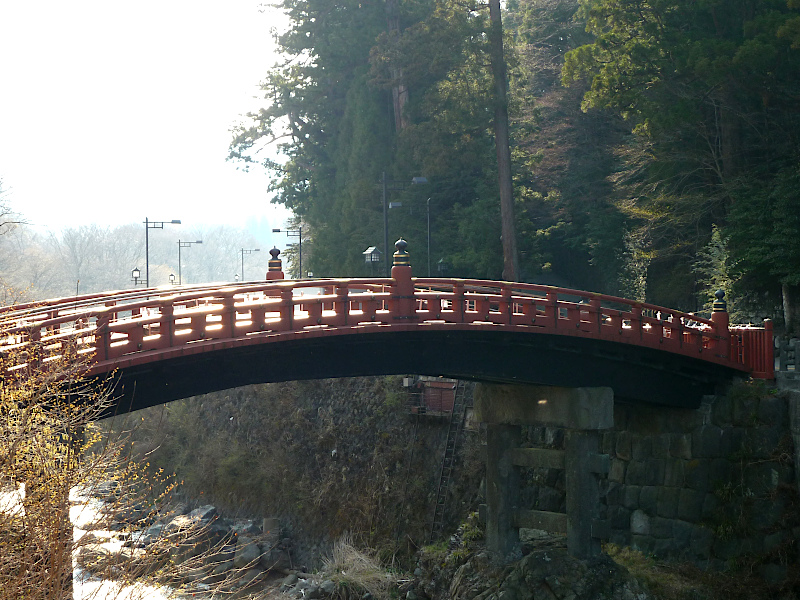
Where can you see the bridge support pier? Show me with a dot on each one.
(583, 412)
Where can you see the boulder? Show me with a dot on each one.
(107, 491)
(289, 582)
(313, 591)
(222, 568)
(247, 552)
(246, 527)
(327, 587)
(274, 558)
(204, 513)
(179, 523)
(224, 554)
(151, 534)
(249, 577)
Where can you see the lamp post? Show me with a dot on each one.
(236, 277)
(298, 233)
(243, 252)
(428, 211)
(371, 256)
(172, 278)
(148, 225)
(395, 185)
(136, 275)
(182, 244)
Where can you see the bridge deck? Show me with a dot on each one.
(137, 331)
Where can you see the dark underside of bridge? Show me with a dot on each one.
(636, 374)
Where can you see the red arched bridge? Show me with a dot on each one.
(168, 343)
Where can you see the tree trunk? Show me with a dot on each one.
(399, 90)
(730, 139)
(791, 308)
(509, 236)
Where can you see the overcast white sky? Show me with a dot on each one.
(114, 111)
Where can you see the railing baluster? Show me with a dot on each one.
(167, 325)
(342, 305)
(459, 301)
(287, 310)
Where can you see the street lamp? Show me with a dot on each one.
(172, 278)
(395, 185)
(136, 274)
(371, 256)
(298, 233)
(183, 245)
(428, 211)
(148, 225)
(243, 252)
(236, 276)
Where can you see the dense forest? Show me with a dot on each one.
(654, 143)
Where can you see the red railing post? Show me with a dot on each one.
(636, 321)
(595, 316)
(229, 316)
(458, 302)
(167, 324)
(507, 304)
(275, 267)
(552, 304)
(341, 305)
(403, 302)
(102, 336)
(287, 309)
(721, 320)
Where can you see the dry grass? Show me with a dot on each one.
(356, 572)
(684, 581)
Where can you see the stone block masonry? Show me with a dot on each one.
(713, 486)
(583, 413)
(707, 484)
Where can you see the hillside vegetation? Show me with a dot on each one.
(329, 458)
(654, 143)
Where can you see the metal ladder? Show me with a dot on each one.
(463, 399)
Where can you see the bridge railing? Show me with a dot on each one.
(131, 327)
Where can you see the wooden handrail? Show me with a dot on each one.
(116, 325)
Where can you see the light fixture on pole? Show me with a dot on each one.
(136, 275)
(148, 225)
(172, 278)
(236, 277)
(371, 256)
(394, 185)
(298, 233)
(243, 252)
(182, 244)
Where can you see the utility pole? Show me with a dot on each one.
(148, 225)
(387, 254)
(243, 252)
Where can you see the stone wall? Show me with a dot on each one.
(712, 485)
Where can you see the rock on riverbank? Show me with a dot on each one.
(198, 547)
